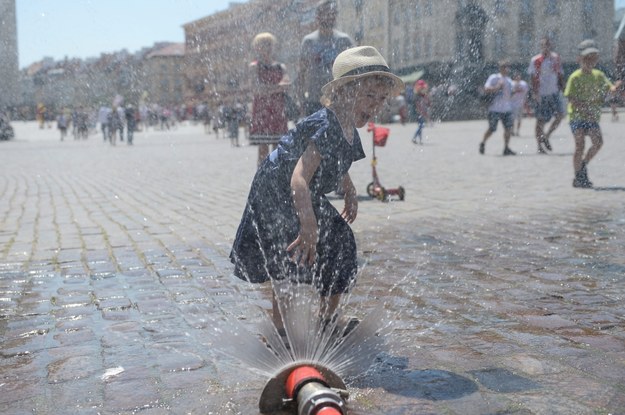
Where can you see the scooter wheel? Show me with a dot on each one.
(401, 192)
(371, 190)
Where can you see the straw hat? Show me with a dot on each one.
(359, 62)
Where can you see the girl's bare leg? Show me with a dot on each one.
(329, 305)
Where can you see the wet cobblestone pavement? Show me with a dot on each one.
(507, 284)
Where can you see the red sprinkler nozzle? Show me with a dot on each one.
(316, 389)
(299, 377)
(309, 388)
(328, 410)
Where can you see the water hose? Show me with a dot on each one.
(307, 386)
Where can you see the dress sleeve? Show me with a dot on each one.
(323, 137)
(357, 150)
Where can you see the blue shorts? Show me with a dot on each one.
(547, 107)
(506, 119)
(583, 125)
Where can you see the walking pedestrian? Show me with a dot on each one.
(82, 123)
(500, 85)
(61, 124)
(269, 81)
(520, 89)
(422, 104)
(289, 229)
(131, 122)
(103, 119)
(318, 51)
(586, 89)
(547, 82)
(114, 124)
(122, 119)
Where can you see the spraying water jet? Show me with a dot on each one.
(311, 388)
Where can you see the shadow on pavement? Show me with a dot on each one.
(610, 189)
(503, 381)
(391, 374)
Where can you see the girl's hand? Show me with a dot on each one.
(350, 210)
(351, 207)
(303, 249)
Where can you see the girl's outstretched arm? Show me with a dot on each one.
(304, 248)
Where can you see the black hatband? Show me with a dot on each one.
(365, 69)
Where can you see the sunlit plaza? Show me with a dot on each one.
(503, 282)
(491, 276)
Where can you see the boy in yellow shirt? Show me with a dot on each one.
(585, 90)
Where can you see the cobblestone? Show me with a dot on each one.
(506, 283)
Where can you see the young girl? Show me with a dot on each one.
(289, 229)
(269, 81)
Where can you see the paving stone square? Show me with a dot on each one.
(505, 284)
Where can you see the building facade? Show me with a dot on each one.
(451, 41)
(422, 33)
(163, 75)
(218, 47)
(9, 84)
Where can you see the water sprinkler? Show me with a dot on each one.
(309, 387)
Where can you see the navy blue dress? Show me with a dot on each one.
(269, 223)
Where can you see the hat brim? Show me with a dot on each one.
(397, 88)
(588, 51)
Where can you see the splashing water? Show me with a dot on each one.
(307, 340)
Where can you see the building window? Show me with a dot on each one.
(589, 33)
(360, 34)
(358, 6)
(501, 45)
(397, 16)
(551, 8)
(587, 19)
(427, 44)
(428, 7)
(552, 35)
(526, 8)
(500, 7)
(372, 20)
(396, 55)
(416, 46)
(406, 51)
(525, 44)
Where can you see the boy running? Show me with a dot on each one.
(585, 90)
